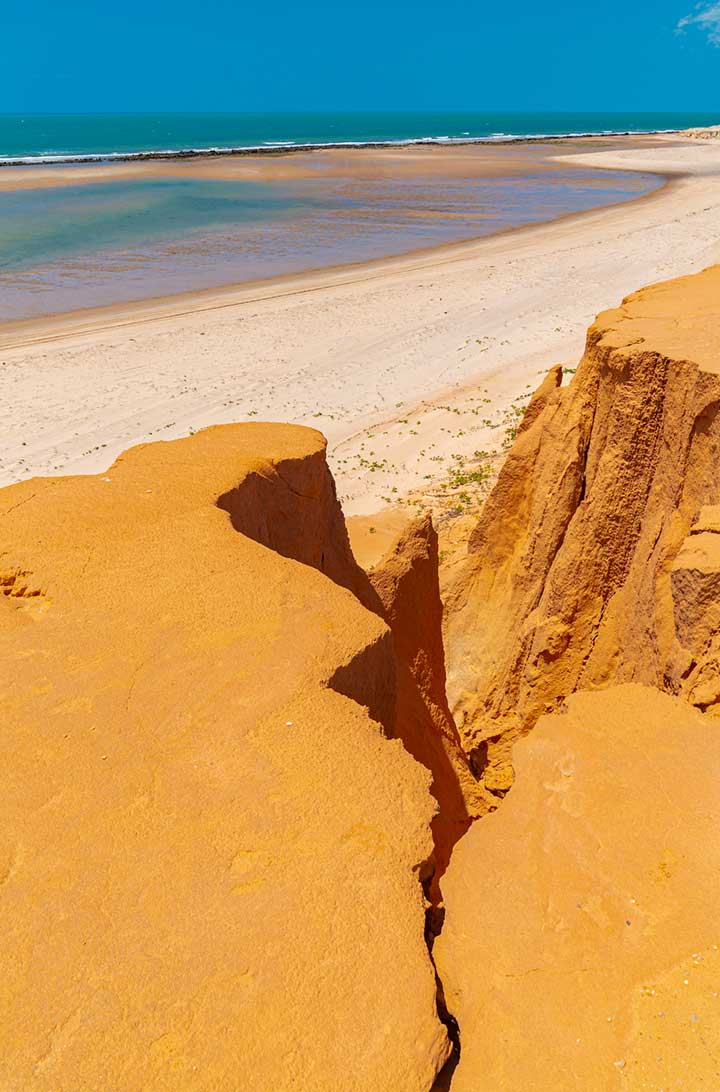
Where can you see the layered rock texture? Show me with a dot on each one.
(407, 587)
(571, 571)
(580, 948)
(211, 851)
(695, 582)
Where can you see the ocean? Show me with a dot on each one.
(56, 137)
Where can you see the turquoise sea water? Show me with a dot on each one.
(73, 246)
(59, 136)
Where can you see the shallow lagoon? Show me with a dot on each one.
(85, 245)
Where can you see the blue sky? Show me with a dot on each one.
(88, 55)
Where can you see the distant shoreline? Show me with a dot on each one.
(276, 148)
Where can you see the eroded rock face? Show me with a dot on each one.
(695, 579)
(210, 852)
(407, 587)
(580, 948)
(568, 578)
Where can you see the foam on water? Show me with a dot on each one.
(87, 138)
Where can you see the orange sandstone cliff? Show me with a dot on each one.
(407, 587)
(580, 947)
(572, 567)
(236, 764)
(211, 851)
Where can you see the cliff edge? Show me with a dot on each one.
(211, 850)
(568, 582)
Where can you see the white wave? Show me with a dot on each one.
(47, 158)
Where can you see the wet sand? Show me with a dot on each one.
(455, 161)
(408, 365)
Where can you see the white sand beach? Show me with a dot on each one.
(402, 363)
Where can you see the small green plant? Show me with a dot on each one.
(510, 437)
